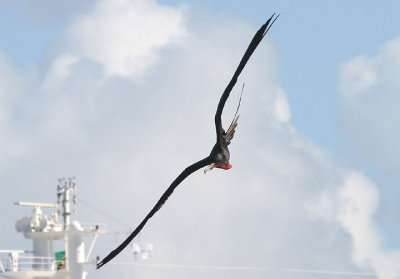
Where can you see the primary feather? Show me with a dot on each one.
(219, 156)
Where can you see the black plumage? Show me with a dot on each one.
(219, 156)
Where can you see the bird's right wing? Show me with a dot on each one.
(231, 130)
(250, 49)
(188, 171)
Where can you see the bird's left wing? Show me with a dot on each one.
(250, 49)
(189, 170)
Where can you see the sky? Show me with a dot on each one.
(122, 95)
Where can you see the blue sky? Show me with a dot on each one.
(320, 105)
(315, 39)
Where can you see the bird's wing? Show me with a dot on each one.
(250, 49)
(189, 170)
(231, 130)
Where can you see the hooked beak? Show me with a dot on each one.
(213, 165)
(225, 167)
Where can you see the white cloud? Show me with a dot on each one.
(355, 214)
(60, 68)
(127, 134)
(357, 76)
(9, 86)
(282, 108)
(123, 36)
(354, 206)
(368, 92)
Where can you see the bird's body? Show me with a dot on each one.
(219, 156)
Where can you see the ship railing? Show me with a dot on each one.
(2, 269)
(36, 263)
(94, 226)
(87, 227)
(27, 262)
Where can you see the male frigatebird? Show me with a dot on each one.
(219, 156)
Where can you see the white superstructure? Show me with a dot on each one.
(43, 261)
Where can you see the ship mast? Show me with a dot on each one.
(44, 230)
(64, 189)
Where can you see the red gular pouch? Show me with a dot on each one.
(225, 167)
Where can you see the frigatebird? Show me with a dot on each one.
(219, 156)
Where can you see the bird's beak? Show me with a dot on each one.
(225, 167)
(210, 167)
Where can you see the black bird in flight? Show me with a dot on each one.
(219, 156)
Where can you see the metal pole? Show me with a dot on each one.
(66, 208)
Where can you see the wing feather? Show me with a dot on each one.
(231, 130)
(189, 170)
(250, 49)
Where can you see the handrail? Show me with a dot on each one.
(12, 251)
(27, 263)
